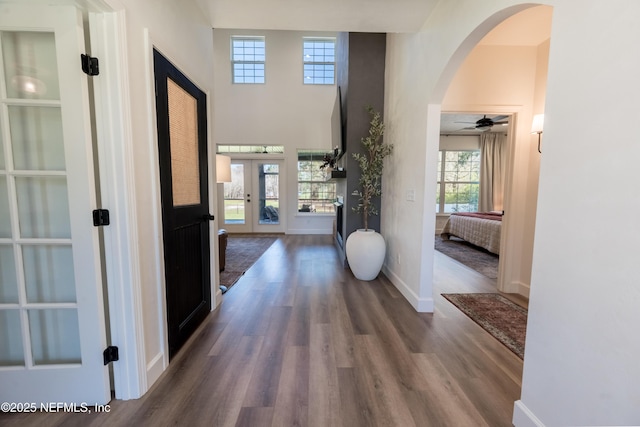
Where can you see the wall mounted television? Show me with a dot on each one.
(338, 124)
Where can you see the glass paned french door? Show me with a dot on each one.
(237, 197)
(52, 329)
(253, 199)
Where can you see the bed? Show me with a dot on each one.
(479, 228)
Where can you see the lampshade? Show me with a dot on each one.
(538, 122)
(223, 168)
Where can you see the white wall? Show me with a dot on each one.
(495, 78)
(283, 111)
(582, 344)
(179, 31)
(580, 361)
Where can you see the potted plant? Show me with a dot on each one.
(365, 247)
(329, 161)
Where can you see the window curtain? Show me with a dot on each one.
(492, 171)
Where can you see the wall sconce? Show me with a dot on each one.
(536, 127)
(223, 168)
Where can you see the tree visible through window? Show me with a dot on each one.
(458, 181)
(315, 193)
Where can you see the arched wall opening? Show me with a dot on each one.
(515, 85)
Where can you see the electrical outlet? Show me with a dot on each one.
(411, 195)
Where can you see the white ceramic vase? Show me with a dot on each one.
(365, 252)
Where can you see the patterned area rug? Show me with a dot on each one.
(503, 319)
(243, 250)
(478, 259)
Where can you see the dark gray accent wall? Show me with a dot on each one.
(360, 68)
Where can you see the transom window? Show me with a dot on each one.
(315, 193)
(251, 149)
(247, 59)
(319, 59)
(458, 181)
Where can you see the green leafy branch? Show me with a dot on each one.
(371, 165)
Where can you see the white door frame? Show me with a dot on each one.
(252, 224)
(247, 226)
(115, 147)
(117, 187)
(255, 185)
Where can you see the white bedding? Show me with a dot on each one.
(478, 231)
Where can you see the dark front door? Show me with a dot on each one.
(182, 148)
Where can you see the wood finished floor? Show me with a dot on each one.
(298, 341)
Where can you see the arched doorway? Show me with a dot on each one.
(505, 72)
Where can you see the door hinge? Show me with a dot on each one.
(110, 354)
(89, 65)
(100, 217)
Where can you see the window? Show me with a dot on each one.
(458, 181)
(247, 59)
(251, 149)
(319, 61)
(315, 194)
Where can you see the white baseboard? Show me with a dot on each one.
(422, 305)
(524, 289)
(523, 417)
(517, 287)
(218, 298)
(155, 368)
(309, 231)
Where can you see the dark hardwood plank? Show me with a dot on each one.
(298, 341)
(324, 397)
(265, 378)
(292, 402)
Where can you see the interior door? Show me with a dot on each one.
(52, 324)
(253, 199)
(182, 150)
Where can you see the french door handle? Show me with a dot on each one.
(208, 217)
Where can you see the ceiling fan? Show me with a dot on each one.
(485, 123)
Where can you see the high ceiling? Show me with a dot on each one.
(531, 28)
(528, 28)
(327, 15)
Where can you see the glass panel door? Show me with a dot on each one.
(266, 181)
(253, 198)
(236, 210)
(51, 314)
(36, 175)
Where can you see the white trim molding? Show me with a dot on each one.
(523, 417)
(421, 305)
(117, 189)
